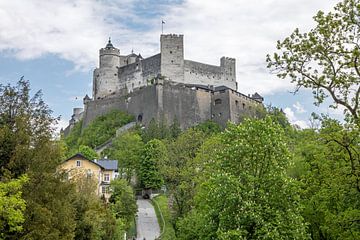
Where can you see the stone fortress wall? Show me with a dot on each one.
(117, 72)
(165, 85)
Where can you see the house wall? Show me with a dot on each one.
(75, 172)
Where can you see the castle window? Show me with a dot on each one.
(172, 61)
(220, 114)
(217, 101)
(170, 52)
(236, 102)
(243, 105)
(115, 74)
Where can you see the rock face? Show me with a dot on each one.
(166, 85)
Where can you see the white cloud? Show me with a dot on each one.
(246, 30)
(293, 119)
(299, 108)
(75, 30)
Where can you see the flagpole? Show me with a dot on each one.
(162, 26)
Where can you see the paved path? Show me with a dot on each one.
(146, 222)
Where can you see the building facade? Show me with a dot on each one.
(101, 172)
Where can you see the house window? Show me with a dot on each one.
(78, 163)
(107, 177)
(103, 189)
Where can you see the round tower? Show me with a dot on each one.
(109, 56)
(106, 80)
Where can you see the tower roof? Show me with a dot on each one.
(109, 44)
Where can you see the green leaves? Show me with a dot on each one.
(153, 155)
(12, 206)
(247, 194)
(325, 59)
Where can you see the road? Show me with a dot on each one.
(147, 226)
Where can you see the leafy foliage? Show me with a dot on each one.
(12, 206)
(103, 128)
(330, 173)
(153, 155)
(261, 201)
(326, 59)
(122, 201)
(127, 149)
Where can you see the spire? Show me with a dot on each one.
(109, 44)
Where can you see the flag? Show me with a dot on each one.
(162, 21)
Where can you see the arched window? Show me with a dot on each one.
(217, 101)
(139, 118)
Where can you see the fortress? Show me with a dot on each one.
(165, 85)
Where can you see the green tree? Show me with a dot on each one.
(153, 155)
(122, 201)
(326, 59)
(248, 194)
(175, 129)
(88, 152)
(26, 147)
(127, 149)
(330, 173)
(12, 206)
(179, 170)
(94, 219)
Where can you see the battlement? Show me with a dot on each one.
(109, 51)
(170, 36)
(227, 60)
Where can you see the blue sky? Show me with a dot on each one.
(55, 44)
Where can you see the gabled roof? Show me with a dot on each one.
(82, 157)
(108, 164)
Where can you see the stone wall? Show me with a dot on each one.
(142, 104)
(205, 74)
(135, 75)
(190, 105)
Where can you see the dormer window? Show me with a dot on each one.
(78, 163)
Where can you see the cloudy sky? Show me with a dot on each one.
(55, 44)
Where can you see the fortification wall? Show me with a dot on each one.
(241, 105)
(142, 104)
(135, 75)
(189, 106)
(206, 74)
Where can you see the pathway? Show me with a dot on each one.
(146, 221)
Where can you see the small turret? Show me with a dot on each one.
(109, 56)
(106, 80)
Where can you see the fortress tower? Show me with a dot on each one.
(105, 80)
(228, 70)
(172, 57)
